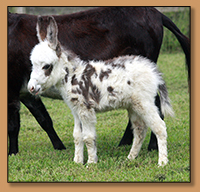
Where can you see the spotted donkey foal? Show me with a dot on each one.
(128, 82)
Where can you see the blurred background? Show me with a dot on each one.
(47, 10)
(179, 15)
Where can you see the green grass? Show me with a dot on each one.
(37, 161)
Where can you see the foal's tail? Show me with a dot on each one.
(166, 107)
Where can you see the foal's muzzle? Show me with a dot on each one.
(33, 87)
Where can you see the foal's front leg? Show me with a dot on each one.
(88, 120)
(78, 140)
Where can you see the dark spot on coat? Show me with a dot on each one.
(78, 91)
(74, 99)
(116, 65)
(67, 73)
(88, 104)
(89, 70)
(75, 91)
(104, 74)
(49, 70)
(58, 50)
(86, 87)
(74, 80)
(95, 94)
(129, 82)
(87, 73)
(110, 89)
(120, 63)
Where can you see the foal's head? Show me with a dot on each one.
(45, 58)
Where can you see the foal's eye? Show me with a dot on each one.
(47, 66)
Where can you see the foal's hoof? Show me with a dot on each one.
(131, 157)
(162, 162)
(92, 160)
(78, 160)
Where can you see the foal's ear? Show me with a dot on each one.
(40, 28)
(47, 29)
(52, 33)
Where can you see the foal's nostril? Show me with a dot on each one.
(32, 89)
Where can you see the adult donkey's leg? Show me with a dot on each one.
(37, 108)
(13, 125)
(127, 138)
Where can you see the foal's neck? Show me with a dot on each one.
(71, 61)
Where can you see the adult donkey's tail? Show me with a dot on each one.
(183, 40)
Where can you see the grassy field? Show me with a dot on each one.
(37, 161)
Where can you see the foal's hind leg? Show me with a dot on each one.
(139, 131)
(128, 135)
(150, 116)
(153, 144)
(159, 128)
